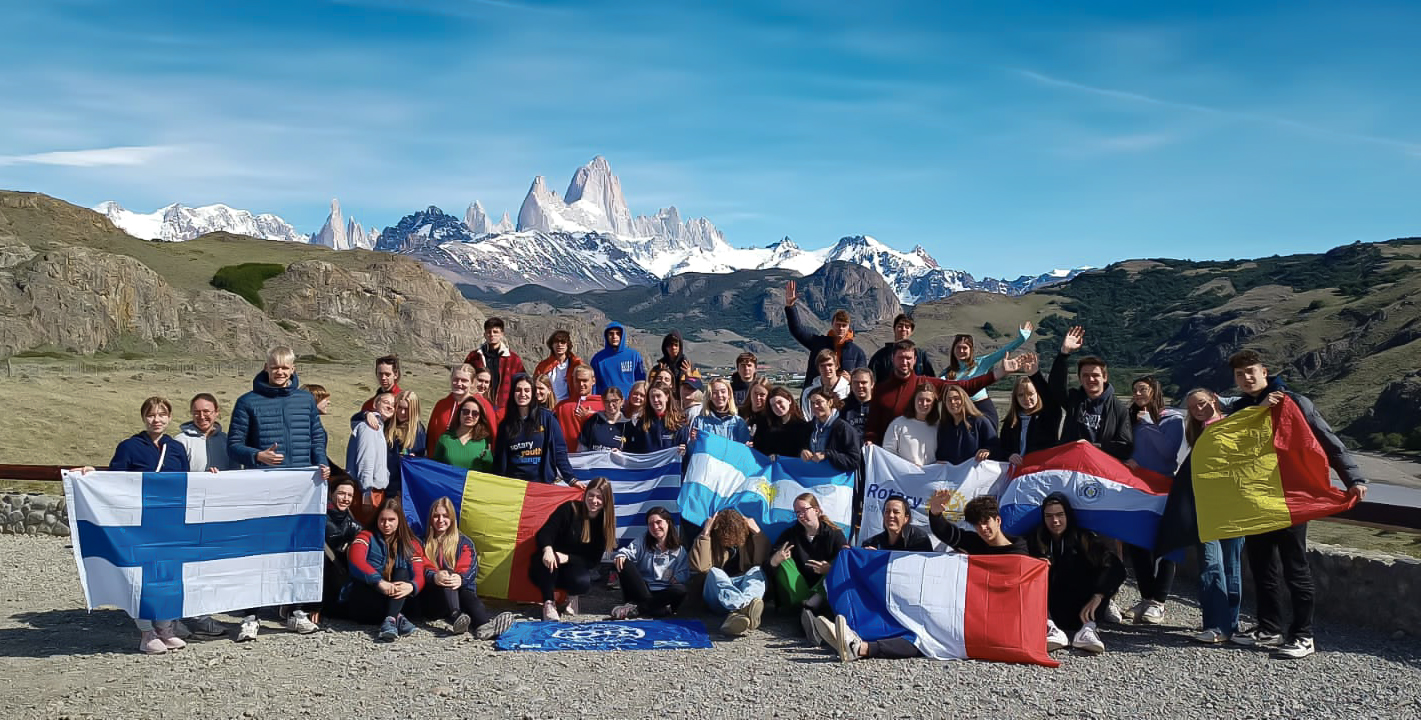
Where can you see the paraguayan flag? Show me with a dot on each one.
(722, 473)
(167, 545)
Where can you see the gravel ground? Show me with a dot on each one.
(61, 661)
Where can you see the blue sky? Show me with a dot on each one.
(1005, 137)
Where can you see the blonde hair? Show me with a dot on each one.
(969, 409)
(281, 355)
(442, 548)
(813, 502)
(401, 435)
(730, 408)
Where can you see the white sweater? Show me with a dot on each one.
(912, 440)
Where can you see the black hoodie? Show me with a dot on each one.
(1337, 455)
(1102, 421)
(673, 363)
(1082, 565)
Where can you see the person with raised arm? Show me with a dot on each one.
(1093, 414)
(964, 364)
(881, 364)
(503, 364)
(1033, 421)
(559, 364)
(570, 545)
(839, 340)
(530, 444)
(892, 397)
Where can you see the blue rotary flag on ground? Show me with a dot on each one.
(672, 634)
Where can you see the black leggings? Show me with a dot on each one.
(1154, 575)
(573, 577)
(897, 648)
(369, 606)
(650, 603)
(442, 603)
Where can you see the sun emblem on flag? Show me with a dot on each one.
(765, 490)
(1089, 491)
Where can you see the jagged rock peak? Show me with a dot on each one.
(334, 233)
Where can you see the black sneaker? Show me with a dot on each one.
(1296, 649)
(404, 626)
(1256, 638)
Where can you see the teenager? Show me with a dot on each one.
(367, 457)
(202, 438)
(386, 571)
(727, 558)
(747, 371)
(559, 364)
(469, 442)
(1220, 561)
(653, 570)
(406, 435)
(1091, 411)
(963, 364)
(839, 340)
(1279, 558)
(964, 433)
(831, 439)
(635, 404)
(899, 532)
(892, 397)
(617, 364)
(483, 385)
(913, 437)
(1084, 576)
(530, 444)
(570, 545)
(387, 380)
(341, 530)
(580, 405)
(661, 426)
(856, 405)
(662, 376)
(673, 358)
(1033, 421)
(321, 395)
(693, 397)
(718, 417)
(445, 413)
(881, 364)
(543, 392)
(606, 430)
(756, 407)
(451, 565)
(1158, 434)
(803, 556)
(503, 364)
(781, 430)
(828, 377)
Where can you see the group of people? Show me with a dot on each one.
(499, 418)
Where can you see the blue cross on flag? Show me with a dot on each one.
(167, 545)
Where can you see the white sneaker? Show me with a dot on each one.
(806, 622)
(1297, 648)
(846, 641)
(1137, 610)
(1210, 636)
(570, 607)
(298, 622)
(1055, 637)
(826, 630)
(1088, 639)
(550, 612)
(248, 631)
(1153, 614)
(1111, 614)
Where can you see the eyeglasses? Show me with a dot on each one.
(468, 411)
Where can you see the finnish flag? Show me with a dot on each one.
(167, 545)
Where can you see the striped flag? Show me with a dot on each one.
(639, 483)
(1107, 496)
(1258, 470)
(500, 515)
(950, 605)
(722, 473)
(161, 546)
(887, 475)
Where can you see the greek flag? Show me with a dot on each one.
(167, 545)
(639, 483)
(722, 473)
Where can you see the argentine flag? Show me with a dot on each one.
(722, 473)
(168, 545)
(639, 483)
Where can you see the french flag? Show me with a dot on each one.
(1107, 496)
(950, 605)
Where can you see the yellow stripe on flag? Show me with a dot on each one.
(1237, 487)
(489, 515)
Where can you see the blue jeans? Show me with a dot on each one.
(1221, 583)
(727, 594)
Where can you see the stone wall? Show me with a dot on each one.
(30, 514)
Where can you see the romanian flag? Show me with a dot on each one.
(500, 515)
(1258, 470)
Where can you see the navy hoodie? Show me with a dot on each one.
(600, 434)
(531, 449)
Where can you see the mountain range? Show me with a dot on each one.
(585, 239)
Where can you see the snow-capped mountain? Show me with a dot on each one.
(176, 223)
(478, 222)
(340, 234)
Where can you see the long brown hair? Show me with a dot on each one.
(483, 427)
(747, 410)
(953, 365)
(1156, 405)
(442, 548)
(729, 530)
(671, 420)
(603, 487)
(935, 413)
(813, 501)
(1193, 428)
(773, 420)
(1017, 411)
(404, 541)
(969, 409)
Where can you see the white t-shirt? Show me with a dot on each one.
(911, 439)
(559, 377)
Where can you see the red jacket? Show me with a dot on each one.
(509, 364)
(443, 416)
(892, 398)
(367, 560)
(549, 362)
(566, 412)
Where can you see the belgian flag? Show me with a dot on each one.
(1258, 470)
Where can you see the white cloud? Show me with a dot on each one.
(128, 155)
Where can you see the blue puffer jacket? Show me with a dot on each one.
(286, 416)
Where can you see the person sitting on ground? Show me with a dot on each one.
(964, 433)
(1085, 574)
(856, 405)
(559, 364)
(445, 413)
(839, 340)
(653, 570)
(606, 430)
(719, 416)
(728, 558)
(913, 437)
(803, 555)
(386, 571)
(1158, 433)
(747, 371)
(617, 364)
(880, 365)
(635, 405)
(756, 409)
(451, 565)
(673, 358)
(582, 404)
(469, 442)
(387, 380)
(530, 443)
(570, 545)
(661, 426)
(1034, 420)
(1220, 561)
(831, 439)
(341, 530)
(1092, 412)
(367, 457)
(495, 354)
(899, 532)
(829, 377)
(781, 430)
(963, 365)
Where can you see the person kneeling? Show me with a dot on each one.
(451, 564)
(1085, 575)
(386, 570)
(730, 551)
(653, 570)
(571, 543)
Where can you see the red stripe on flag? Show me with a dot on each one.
(1082, 457)
(539, 501)
(1303, 468)
(1005, 613)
